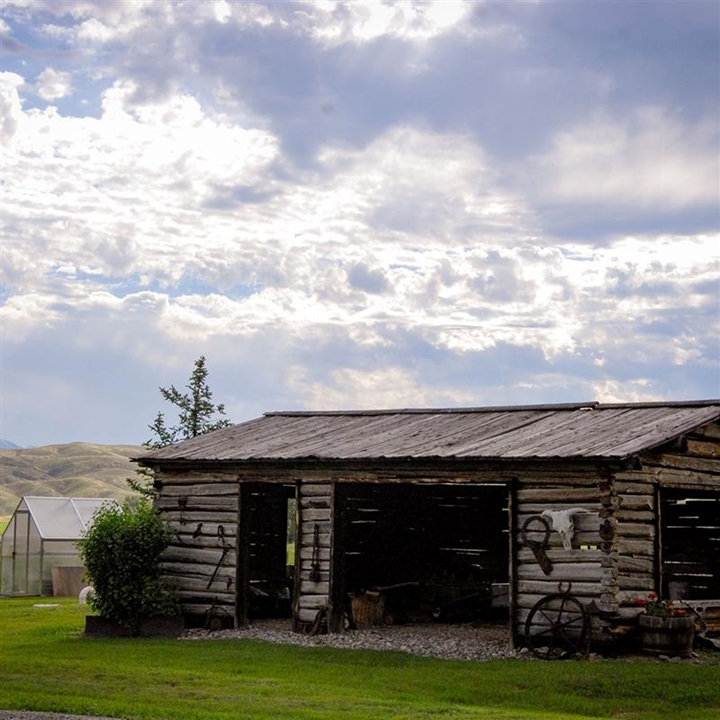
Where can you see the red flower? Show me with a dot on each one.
(652, 596)
(640, 602)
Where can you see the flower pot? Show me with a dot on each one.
(667, 635)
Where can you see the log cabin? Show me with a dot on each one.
(339, 519)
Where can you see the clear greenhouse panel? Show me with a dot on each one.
(43, 534)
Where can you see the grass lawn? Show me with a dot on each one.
(46, 664)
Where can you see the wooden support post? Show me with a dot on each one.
(242, 578)
(513, 561)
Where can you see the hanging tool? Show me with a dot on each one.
(538, 546)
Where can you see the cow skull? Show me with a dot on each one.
(562, 523)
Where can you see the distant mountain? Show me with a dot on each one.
(71, 470)
(7, 445)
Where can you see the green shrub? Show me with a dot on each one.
(121, 551)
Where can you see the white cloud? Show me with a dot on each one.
(85, 20)
(648, 159)
(376, 388)
(379, 252)
(54, 84)
(364, 20)
(10, 106)
(442, 248)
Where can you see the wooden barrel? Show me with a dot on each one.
(667, 636)
(368, 609)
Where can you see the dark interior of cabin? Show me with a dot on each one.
(404, 552)
(422, 552)
(268, 516)
(690, 532)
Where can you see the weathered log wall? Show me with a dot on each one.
(313, 561)
(587, 569)
(693, 465)
(200, 562)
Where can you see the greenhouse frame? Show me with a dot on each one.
(42, 534)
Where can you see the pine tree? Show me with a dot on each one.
(196, 413)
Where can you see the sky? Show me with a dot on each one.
(354, 205)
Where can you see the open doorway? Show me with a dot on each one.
(409, 553)
(265, 540)
(690, 533)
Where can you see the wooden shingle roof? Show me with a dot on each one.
(581, 431)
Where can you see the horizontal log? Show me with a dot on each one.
(711, 430)
(210, 556)
(586, 572)
(629, 546)
(315, 489)
(628, 564)
(305, 560)
(527, 509)
(309, 528)
(633, 487)
(306, 615)
(219, 583)
(307, 553)
(207, 530)
(591, 540)
(637, 502)
(308, 540)
(559, 555)
(636, 583)
(193, 504)
(324, 574)
(582, 521)
(314, 502)
(548, 587)
(644, 516)
(224, 607)
(703, 448)
(202, 541)
(636, 530)
(312, 602)
(199, 571)
(314, 515)
(191, 596)
(527, 602)
(668, 461)
(308, 587)
(205, 478)
(225, 517)
(216, 489)
(571, 496)
(555, 477)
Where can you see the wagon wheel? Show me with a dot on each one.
(558, 628)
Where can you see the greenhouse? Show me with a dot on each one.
(39, 545)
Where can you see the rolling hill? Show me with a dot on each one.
(72, 470)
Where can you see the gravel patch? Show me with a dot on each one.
(448, 642)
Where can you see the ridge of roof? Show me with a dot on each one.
(591, 405)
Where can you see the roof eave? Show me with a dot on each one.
(315, 461)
